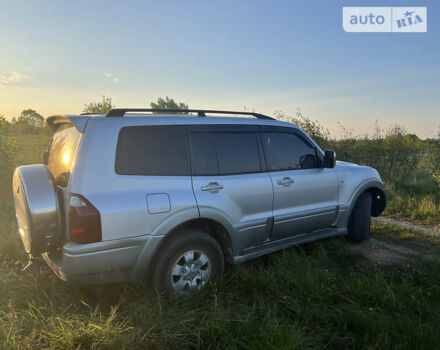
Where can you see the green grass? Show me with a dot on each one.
(414, 203)
(322, 295)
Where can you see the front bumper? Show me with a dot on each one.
(124, 260)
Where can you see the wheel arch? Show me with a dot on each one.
(209, 226)
(379, 198)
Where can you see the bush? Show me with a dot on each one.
(7, 164)
(394, 153)
(317, 132)
(7, 151)
(99, 107)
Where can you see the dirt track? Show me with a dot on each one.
(429, 230)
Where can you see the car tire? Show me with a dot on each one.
(360, 219)
(186, 263)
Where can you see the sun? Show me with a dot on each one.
(66, 157)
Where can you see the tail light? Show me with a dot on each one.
(84, 220)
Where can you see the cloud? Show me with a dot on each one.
(13, 78)
(110, 76)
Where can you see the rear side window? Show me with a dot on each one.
(287, 151)
(62, 151)
(224, 153)
(152, 150)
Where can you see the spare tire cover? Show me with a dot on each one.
(36, 208)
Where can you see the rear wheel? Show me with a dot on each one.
(187, 263)
(360, 219)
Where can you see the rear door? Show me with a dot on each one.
(62, 153)
(229, 180)
(151, 184)
(60, 161)
(305, 194)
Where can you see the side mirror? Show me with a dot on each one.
(329, 159)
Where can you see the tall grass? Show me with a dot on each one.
(414, 204)
(317, 296)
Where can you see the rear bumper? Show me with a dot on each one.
(124, 260)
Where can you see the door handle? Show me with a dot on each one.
(212, 187)
(286, 181)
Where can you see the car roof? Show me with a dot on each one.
(80, 121)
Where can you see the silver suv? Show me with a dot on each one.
(168, 198)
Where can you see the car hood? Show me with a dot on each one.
(346, 168)
(341, 163)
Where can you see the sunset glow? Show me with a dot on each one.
(300, 59)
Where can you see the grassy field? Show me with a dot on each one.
(417, 204)
(330, 294)
(323, 295)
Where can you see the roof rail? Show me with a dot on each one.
(120, 112)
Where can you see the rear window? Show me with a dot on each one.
(62, 151)
(224, 153)
(152, 150)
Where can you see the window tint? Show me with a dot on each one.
(224, 153)
(152, 150)
(62, 150)
(204, 154)
(287, 151)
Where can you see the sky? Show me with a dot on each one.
(266, 56)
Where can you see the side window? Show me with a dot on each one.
(224, 153)
(204, 154)
(286, 151)
(152, 150)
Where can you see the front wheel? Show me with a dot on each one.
(187, 263)
(360, 219)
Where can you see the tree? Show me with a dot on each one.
(99, 107)
(168, 103)
(31, 117)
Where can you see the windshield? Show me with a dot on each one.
(62, 151)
